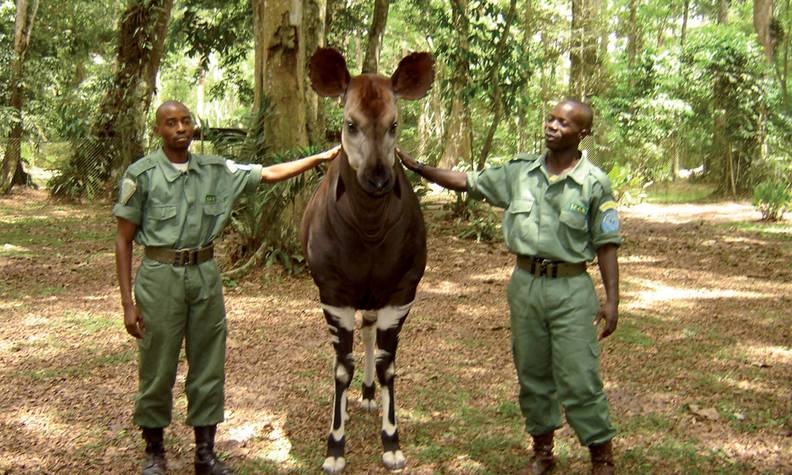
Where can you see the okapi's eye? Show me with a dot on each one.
(351, 127)
(393, 127)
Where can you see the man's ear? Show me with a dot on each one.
(584, 133)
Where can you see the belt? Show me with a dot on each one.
(180, 257)
(539, 267)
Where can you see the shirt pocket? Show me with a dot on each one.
(214, 209)
(574, 230)
(519, 223)
(158, 213)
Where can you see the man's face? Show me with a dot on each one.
(563, 129)
(175, 126)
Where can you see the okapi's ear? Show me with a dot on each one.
(328, 72)
(414, 76)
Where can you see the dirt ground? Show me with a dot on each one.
(698, 373)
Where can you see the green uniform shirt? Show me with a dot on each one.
(565, 217)
(182, 210)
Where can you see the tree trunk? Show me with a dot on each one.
(496, 88)
(375, 35)
(280, 71)
(633, 34)
(457, 143)
(784, 73)
(117, 136)
(11, 171)
(583, 67)
(314, 24)
(685, 15)
(723, 12)
(762, 16)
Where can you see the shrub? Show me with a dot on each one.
(772, 198)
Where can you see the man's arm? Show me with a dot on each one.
(607, 259)
(451, 179)
(133, 321)
(283, 171)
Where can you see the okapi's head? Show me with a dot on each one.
(368, 135)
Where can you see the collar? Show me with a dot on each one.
(172, 173)
(577, 174)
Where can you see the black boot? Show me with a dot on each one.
(155, 463)
(206, 461)
(542, 462)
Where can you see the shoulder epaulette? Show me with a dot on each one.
(211, 160)
(601, 177)
(141, 166)
(525, 157)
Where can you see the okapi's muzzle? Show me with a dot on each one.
(377, 180)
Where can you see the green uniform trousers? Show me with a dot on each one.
(556, 354)
(180, 303)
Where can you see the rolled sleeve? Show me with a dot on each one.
(130, 200)
(490, 185)
(253, 179)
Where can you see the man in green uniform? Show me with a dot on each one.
(560, 213)
(175, 204)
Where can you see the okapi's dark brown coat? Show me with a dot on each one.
(364, 238)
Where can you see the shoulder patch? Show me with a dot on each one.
(140, 166)
(128, 188)
(610, 221)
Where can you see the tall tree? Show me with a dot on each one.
(457, 143)
(583, 53)
(314, 22)
(11, 171)
(762, 18)
(117, 136)
(280, 71)
(376, 31)
(495, 81)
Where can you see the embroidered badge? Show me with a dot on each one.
(128, 188)
(577, 207)
(211, 199)
(610, 221)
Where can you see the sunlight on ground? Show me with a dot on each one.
(766, 354)
(263, 426)
(659, 293)
(684, 213)
(746, 385)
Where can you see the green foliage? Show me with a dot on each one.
(262, 226)
(628, 184)
(772, 198)
(477, 221)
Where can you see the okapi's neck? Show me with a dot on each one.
(372, 216)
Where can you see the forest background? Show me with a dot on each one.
(697, 85)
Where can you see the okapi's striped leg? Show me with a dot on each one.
(368, 333)
(341, 322)
(389, 323)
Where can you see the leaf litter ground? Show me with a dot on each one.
(697, 374)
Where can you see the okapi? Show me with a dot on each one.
(364, 238)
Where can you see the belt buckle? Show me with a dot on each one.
(182, 257)
(543, 263)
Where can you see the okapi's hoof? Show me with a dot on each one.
(334, 465)
(394, 460)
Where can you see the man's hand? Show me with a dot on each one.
(407, 160)
(610, 313)
(330, 154)
(133, 321)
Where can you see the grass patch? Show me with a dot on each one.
(630, 334)
(83, 369)
(680, 191)
(86, 323)
(781, 230)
